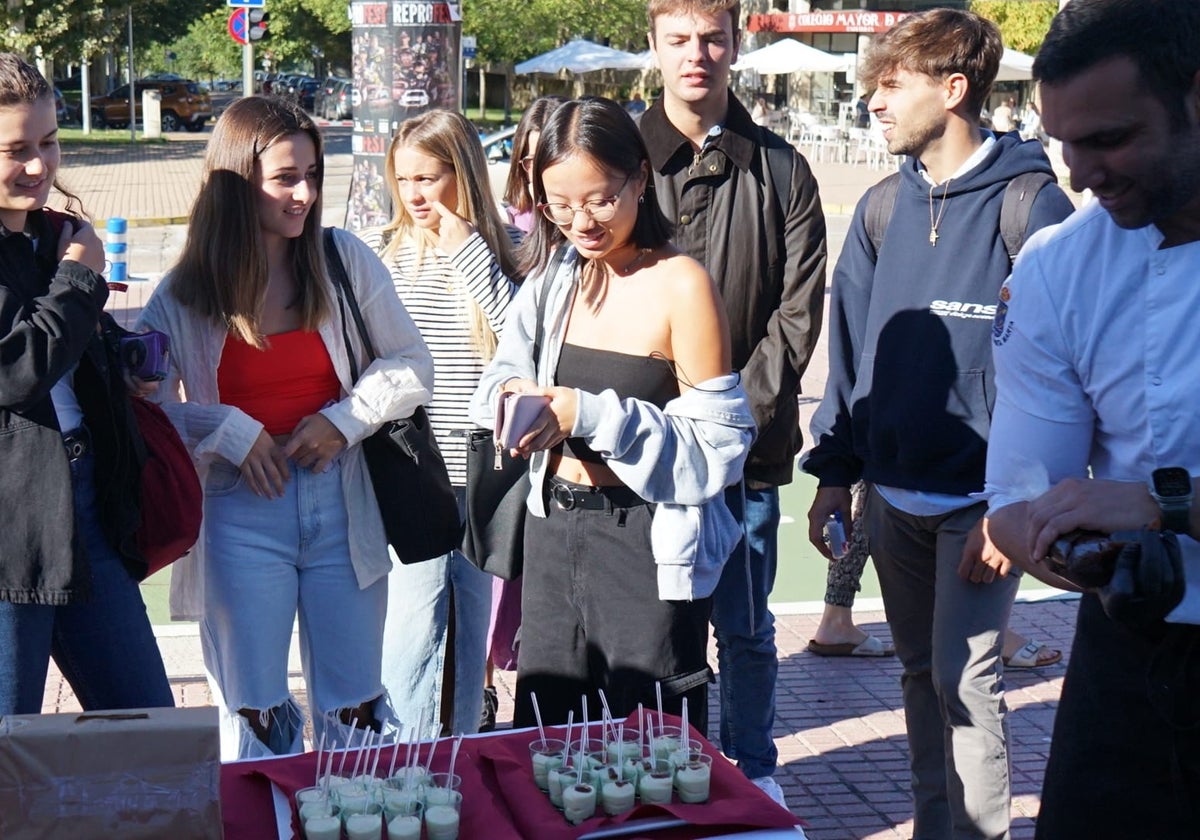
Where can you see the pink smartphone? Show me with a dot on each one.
(515, 415)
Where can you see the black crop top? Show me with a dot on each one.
(649, 378)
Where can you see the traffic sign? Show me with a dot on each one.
(468, 46)
(255, 4)
(237, 26)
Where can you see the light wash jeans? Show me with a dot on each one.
(266, 558)
(745, 633)
(103, 645)
(414, 639)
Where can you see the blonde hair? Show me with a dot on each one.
(222, 272)
(450, 138)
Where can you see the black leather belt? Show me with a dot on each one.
(570, 496)
(78, 442)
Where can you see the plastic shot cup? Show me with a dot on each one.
(657, 782)
(440, 788)
(366, 825)
(579, 802)
(665, 741)
(693, 778)
(630, 746)
(543, 755)
(404, 822)
(323, 828)
(441, 820)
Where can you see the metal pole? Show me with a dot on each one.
(132, 87)
(247, 60)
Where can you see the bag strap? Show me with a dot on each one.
(345, 294)
(780, 161)
(1015, 208)
(881, 201)
(539, 332)
(1019, 196)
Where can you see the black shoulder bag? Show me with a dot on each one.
(412, 487)
(498, 484)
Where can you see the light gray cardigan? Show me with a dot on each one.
(682, 456)
(389, 388)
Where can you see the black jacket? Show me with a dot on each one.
(48, 317)
(766, 253)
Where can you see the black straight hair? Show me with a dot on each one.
(602, 130)
(1162, 37)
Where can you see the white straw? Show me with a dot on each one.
(687, 748)
(606, 719)
(453, 758)
(658, 697)
(537, 714)
(395, 754)
(429, 759)
(378, 754)
(585, 734)
(358, 758)
(567, 738)
(641, 723)
(328, 768)
(349, 742)
(320, 747)
(620, 752)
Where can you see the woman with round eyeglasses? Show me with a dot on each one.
(627, 528)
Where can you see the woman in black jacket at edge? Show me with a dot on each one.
(70, 457)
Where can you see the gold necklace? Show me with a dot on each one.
(934, 222)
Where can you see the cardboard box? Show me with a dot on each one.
(142, 773)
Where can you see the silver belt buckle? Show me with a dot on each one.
(563, 496)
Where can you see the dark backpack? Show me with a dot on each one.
(1019, 196)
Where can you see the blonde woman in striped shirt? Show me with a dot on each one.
(450, 257)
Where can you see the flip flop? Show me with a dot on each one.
(1027, 657)
(870, 646)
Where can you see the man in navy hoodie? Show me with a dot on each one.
(909, 398)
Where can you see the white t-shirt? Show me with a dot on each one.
(1097, 358)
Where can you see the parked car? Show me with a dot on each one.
(305, 92)
(63, 110)
(323, 92)
(339, 105)
(185, 104)
(497, 150)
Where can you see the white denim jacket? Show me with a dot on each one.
(389, 388)
(681, 457)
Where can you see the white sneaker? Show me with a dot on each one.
(771, 788)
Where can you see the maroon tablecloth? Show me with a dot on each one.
(500, 799)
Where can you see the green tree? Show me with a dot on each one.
(66, 30)
(510, 31)
(205, 52)
(1023, 23)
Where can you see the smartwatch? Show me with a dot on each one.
(1172, 489)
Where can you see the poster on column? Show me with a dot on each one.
(406, 61)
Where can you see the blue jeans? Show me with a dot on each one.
(414, 638)
(745, 633)
(266, 559)
(103, 645)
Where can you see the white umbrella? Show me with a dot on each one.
(790, 56)
(580, 56)
(1015, 67)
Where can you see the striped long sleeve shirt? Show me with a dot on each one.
(437, 291)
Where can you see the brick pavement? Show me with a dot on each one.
(840, 727)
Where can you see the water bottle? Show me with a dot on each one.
(835, 535)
